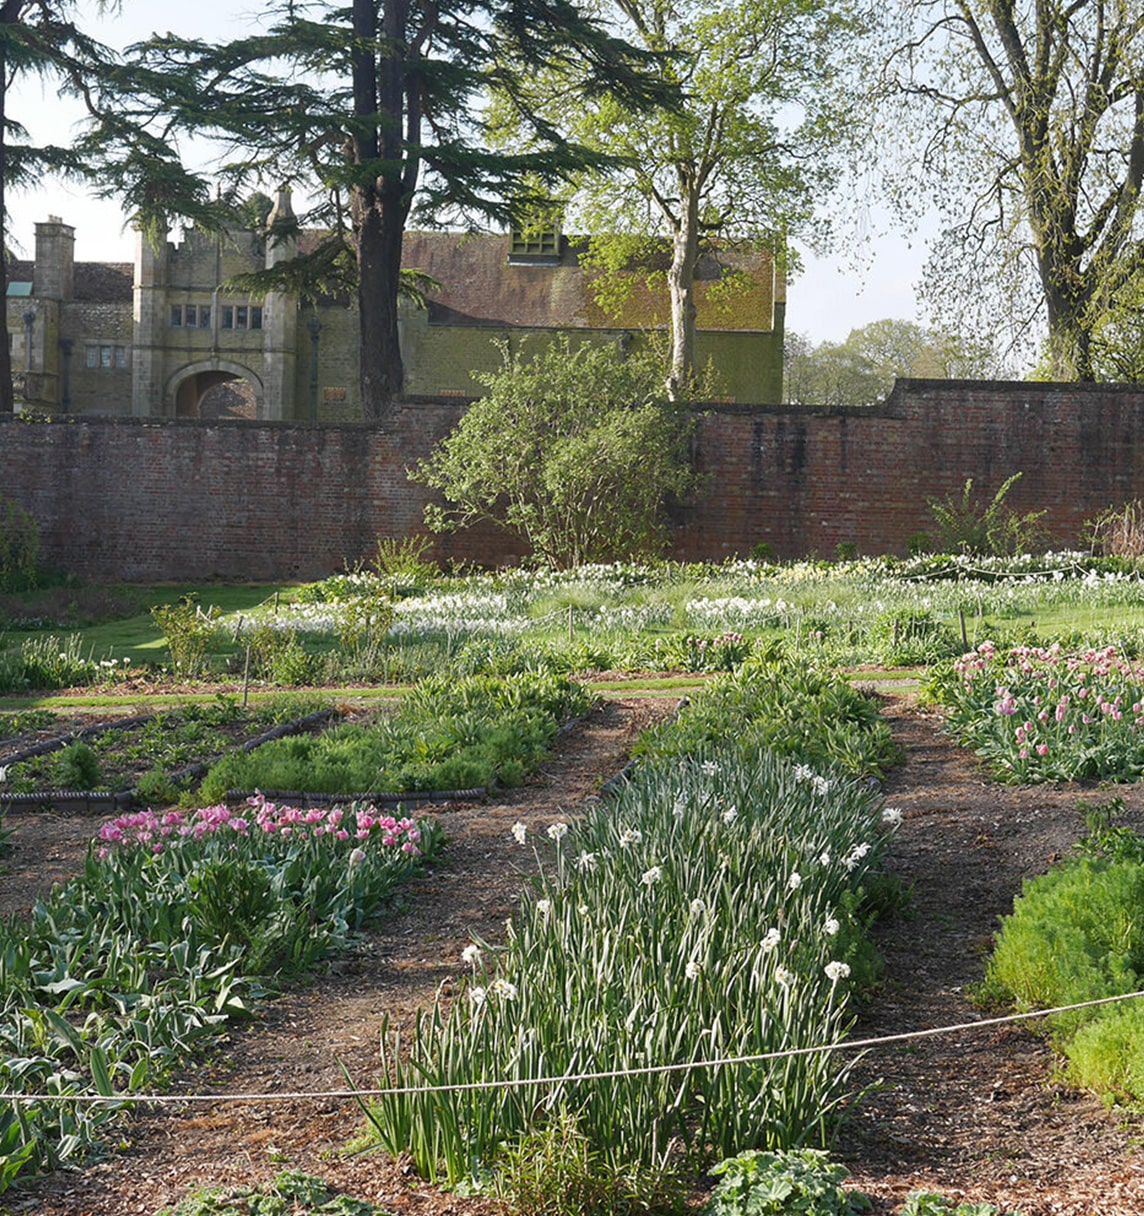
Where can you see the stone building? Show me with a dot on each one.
(168, 338)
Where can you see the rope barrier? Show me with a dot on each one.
(864, 1045)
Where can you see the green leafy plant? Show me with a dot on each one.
(927, 1203)
(291, 1193)
(189, 632)
(77, 767)
(555, 1171)
(19, 547)
(402, 562)
(782, 1184)
(965, 525)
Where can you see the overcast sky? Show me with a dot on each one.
(826, 301)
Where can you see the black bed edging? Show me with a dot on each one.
(101, 801)
(413, 798)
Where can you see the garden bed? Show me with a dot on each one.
(977, 1115)
(112, 757)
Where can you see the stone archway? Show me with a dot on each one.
(215, 389)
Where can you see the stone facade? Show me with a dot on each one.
(167, 338)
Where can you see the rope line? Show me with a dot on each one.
(535, 1082)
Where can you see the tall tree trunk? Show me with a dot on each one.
(380, 205)
(9, 15)
(681, 285)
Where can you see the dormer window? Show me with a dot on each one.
(538, 242)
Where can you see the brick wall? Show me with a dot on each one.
(144, 499)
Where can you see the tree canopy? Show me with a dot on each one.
(1030, 125)
(862, 370)
(369, 108)
(39, 39)
(747, 158)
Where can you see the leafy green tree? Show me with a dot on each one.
(753, 151)
(370, 107)
(862, 370)
(38, 39)
(575, 450)
(1030, 125)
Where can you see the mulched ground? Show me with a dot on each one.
(976, 1115)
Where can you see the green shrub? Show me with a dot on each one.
(966, 526)
(189, 632)
(77, 767)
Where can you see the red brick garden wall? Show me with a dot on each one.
(141, 499)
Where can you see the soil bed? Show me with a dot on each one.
(977, 1115)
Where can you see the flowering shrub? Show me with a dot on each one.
(1042, 714)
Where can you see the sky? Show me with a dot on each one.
(826, 301)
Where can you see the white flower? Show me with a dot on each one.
(544, 906)
(821, 786)
(557, 831)
(505, 990)
(586, 861)
(471, 955)
(830, 926)
(824, 857)
(477, 996)
(771, 940)
(892, 816)
(855, 855)
(794, 881)
(692, 970)
(583, 909)
(679, 808)
(630, 836)
(803, 773)
(355, 858)
(519, 833)
(784, 976)
(708, 768)
(837, 971)
(698, 907)
(730, 815)
(651, 876)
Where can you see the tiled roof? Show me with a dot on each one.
(95, 282)
(480, 286)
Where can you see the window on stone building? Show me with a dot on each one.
(105, 355)
(241, 316)
(177, 316)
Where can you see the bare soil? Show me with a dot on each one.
(979, 1114)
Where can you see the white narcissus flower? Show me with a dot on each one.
(471, 955)
(557, 831)
(836, 971)
(544, 906)
(692, 970)
(652, 876)
(830, 926)
(892, 816)
(519, 833)
(771, 939)
(794, 881)
(698, 907)
(504, 989)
